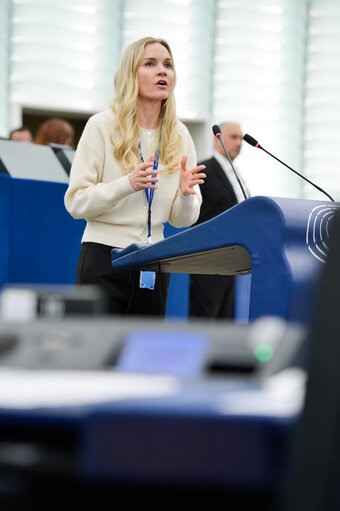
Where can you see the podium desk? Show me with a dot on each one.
(281, 242)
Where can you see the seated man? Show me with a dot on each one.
(22, 134)
(212, 296)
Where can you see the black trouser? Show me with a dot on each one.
(121, 286)
(212, 296)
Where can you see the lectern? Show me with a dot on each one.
(282, 242)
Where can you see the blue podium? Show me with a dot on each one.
(282, 242)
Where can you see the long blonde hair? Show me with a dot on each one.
(126, 133)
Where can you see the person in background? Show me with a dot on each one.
(212, 296)
(134, 169)
(57, 131)
(21, 134)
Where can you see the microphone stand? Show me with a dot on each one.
(295, 171)
(252, 141)
(218, 135)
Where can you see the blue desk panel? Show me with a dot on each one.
(40, 241)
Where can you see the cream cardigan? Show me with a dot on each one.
(115, 213)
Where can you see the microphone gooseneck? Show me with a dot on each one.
(254, 143)
(217, 132)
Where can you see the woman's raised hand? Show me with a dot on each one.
(141, 177)
(189, 178)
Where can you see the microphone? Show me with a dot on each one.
(254, 143)
(217, 132)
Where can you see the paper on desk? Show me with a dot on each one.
(25, 389)
(281, 395)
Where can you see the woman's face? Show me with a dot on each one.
(155, 73)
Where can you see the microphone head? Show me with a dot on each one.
(216, 130)
(251, 140)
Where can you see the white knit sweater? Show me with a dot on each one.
(100, 193)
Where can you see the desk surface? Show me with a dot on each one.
(152, 428)
(62, 415)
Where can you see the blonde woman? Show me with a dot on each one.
(134, 169)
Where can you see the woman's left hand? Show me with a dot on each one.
(189, 178)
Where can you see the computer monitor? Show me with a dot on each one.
(31, 161)
(65, 155)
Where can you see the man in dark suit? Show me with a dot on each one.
(212, 296)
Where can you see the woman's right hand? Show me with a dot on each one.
(141, 177)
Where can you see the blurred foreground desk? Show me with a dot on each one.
(201, 437)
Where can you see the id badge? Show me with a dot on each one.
(147, 280)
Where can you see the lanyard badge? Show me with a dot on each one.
(148, 278)
(150, 192)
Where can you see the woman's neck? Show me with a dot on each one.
(148, 113)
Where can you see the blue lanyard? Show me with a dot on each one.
(149, 191)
